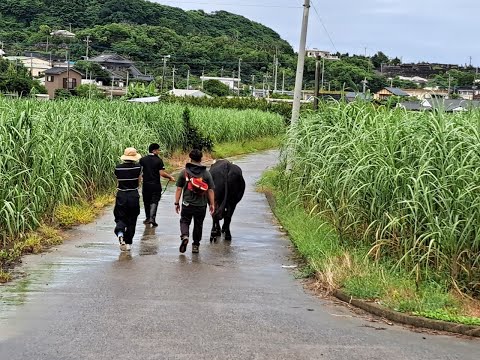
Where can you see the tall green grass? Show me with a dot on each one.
(55, 152)
(405, 184)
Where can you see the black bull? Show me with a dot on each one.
(229, 190)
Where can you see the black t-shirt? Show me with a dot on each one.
(127, 175)
(151, 165)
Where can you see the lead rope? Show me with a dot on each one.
(168, 182)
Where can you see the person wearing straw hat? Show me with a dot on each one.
(152, 169)
(127, 200)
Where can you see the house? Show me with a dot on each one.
(469, 92)
(36, 65)
(192, 93)
(355, 96)
(229, 81)
(426, 93)
(439, 104)
(387, 92)
(415, 79)
(121, 70)
(450, 105)
(61, 78)
(315, 53)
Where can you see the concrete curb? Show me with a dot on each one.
(417, 321)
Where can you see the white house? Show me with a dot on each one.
(232, 83)
(35, 65)
(184, 92)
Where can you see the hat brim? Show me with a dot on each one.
(131, 158)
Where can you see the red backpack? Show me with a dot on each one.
(196, 184)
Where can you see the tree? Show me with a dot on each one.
(89, 91)
(378, 59)
(216, 88)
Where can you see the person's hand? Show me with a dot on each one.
(172, 178)
(177, 208)
(212, 209)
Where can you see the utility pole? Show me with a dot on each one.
(203, 76)
(300, 66)
(46, 48)
(111, 90)
(276, 70)
(88, 45)
(317, 82)
(263, 86)
(173, 77)
(449, 83)
(364, 82)
(165, 57)
(238, 87)
(283, 81)
(188, 79)
(253, 85)
(268, 85)
(323, 70)
(31, 64)
(221, 72)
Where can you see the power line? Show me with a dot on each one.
(324, 27)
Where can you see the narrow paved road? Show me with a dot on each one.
(232, 301)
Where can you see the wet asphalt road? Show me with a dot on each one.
(86, 300)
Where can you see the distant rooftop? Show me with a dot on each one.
(397, 91)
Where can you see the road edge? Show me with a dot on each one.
(398, 317)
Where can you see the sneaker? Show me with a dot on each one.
(128, 247)
(154, 224)
(195, 249)
(122, 242)
(183, 245)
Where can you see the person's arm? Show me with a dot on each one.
(211, 200)
(166, 175)
(178, 194)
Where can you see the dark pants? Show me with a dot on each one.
(151, 195)
(126, 211)
(198, 214)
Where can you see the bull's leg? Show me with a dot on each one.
(215, 230)
(227, 220)
(226, 227)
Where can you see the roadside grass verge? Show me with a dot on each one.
(348, 266)
(49, 233)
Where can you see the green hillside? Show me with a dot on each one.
(144, 31)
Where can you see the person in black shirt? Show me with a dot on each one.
(153, 168)
(127, 200)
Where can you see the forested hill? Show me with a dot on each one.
(143, 31)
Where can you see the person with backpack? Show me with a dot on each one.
(153, 168)
(196, 184)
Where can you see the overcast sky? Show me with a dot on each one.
(414, 30)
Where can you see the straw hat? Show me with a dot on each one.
(131, 154)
